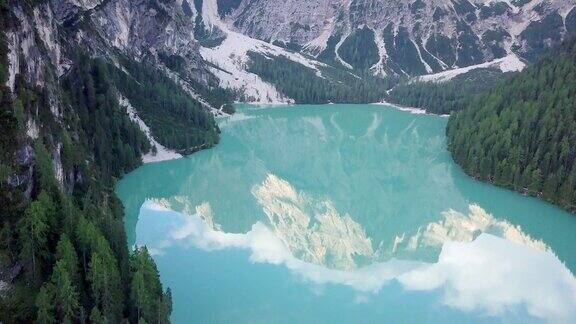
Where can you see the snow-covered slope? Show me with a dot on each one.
(230, 62)
(229, 59)
(509, 63)
(211, 39)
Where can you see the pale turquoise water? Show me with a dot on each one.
(346, 214)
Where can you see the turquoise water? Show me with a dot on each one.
(346, 214)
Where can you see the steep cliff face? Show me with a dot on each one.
(407, 37)
(153, 29)
(64, 141)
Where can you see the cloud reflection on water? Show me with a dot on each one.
(485, 273)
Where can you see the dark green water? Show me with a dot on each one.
(346, 214)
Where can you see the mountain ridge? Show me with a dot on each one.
(435, 35)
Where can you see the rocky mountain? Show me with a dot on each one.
(209, 40)
(406, 37)
(140, 30)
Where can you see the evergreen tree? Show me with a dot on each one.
(45, 171)
(105, 282)
(66, 254)
(65, 294)
(146, 296)
(447, 96)
(45, 305)
(96, 316)
(33, 235)
(303, 84)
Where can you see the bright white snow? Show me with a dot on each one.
(232, 57)
(162, 153)
(508, 63)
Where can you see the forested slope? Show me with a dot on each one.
(522, 134)
(177, 120)
(63, 246)
(64, 141)
(448, 96)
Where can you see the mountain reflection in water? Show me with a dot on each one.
(346, 213)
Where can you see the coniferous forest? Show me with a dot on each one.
(65, 242)
(65, 141)
(304, 85)
(521, 134)
(175, 118)
(446, 97)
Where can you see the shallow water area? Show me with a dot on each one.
(346, 214)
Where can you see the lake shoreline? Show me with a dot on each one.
(169, 155)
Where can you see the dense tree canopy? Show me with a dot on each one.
(446, 97)
(176, 119)
(104, 126)
(522, 134)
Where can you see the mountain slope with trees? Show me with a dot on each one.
(522, 134)
(64, 142)
(306, 86)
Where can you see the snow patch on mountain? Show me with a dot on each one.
(230, 60)
(210, 15)
(509, 63)
(426, 66)
(338, 58)
(162, 153)
(379, 68)
(472, 32)
(318, 44)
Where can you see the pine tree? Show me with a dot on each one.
(523, 132)
(45, 305)
(147, 299)
(33, 234)
(96, 316)
(65, 293)
(46, 178)
(66, 254)
(105, 281)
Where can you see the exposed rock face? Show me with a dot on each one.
(403, 37)
(411, 37)
(25, 156)
(25, 159)
(314, 231)
(141, 29)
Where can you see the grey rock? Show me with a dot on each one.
(467, 26)
(25, 155)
